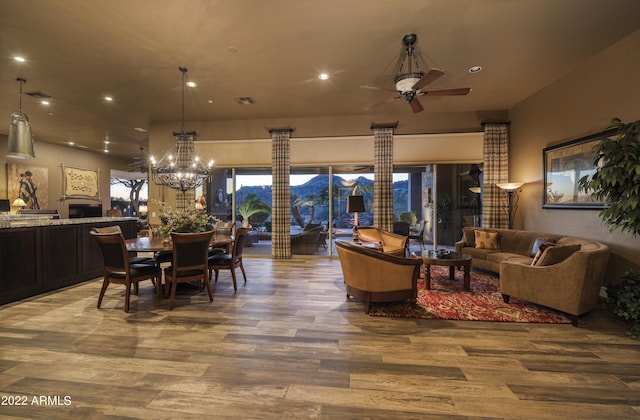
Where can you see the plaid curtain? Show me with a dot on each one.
(496, 170)
(281, 197)
(185, 199)
(383, 176)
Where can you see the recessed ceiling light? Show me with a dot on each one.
(475, 69)
(140, 129)
(210, 101)
(323, 76)
(44, 102)
(192, 84)
(108, 98)
(20, 59)
(70, 143)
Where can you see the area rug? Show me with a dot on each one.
(447, 300)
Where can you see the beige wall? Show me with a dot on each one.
(52, 157)
(580, 104)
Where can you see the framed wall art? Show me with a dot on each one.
(31, 183)
(564, 165)
(80, 183)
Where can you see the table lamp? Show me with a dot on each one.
(355, 205)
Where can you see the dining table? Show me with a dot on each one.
(160, 244)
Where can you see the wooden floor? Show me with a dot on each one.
(289, 345)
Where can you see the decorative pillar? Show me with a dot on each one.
(281, 195)
(383, 175)
(496, 171)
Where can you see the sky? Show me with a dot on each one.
(120, 191)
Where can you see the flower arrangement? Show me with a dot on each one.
(182, 220)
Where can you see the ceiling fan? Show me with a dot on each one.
(140, 163)
(410, 80)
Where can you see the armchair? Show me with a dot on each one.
(392, 243)
(374, 276)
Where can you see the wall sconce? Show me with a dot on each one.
(512, 189)
(355, 205)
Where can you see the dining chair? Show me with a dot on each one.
(189, 262)
(231, 261)
(133, 259)
(118, 269)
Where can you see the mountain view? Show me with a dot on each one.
(315, 192)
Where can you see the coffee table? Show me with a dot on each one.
(450, 259)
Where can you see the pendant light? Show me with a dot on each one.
(20, 144)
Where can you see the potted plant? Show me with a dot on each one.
(624, 301)
(616, 183)
(187, 220)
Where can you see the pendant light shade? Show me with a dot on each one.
(20, 143)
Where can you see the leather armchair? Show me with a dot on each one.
(374, 276)
(392, 243)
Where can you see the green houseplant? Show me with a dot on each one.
(252, 206)
(616, 182)
(624, 301)
(409, 217)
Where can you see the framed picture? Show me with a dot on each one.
(564, 165)
(31, 183)
(80, 183)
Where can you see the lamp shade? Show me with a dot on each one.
(20, 143)
(510, 186)
(19, 202)
(355, 203)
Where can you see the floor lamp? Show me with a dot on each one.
(512, 189)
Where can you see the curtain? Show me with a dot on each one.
(383, 176)
(496, 170)
(185, 199)
(281, 200)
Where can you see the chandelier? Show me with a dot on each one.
(180, 168)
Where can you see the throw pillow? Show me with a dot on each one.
(487, 240)
(556, 254)
(540, 251)
(537, 243)
(468, 236)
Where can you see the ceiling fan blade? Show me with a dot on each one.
(445, 92)
(416, 106)
(431, 75)
(381, 103)
(377, 88)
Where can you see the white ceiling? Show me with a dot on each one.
(78, 51)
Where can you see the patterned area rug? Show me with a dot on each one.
(447, 300)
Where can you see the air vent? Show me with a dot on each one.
(245, 100)
(38, 94)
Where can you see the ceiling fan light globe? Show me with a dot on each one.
(405, 82)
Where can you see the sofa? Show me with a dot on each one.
(392, 243)
(306, 242)
(557, 271)
(375, 276)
